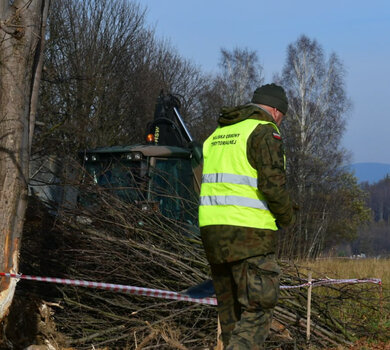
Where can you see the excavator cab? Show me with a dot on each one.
(163, 174)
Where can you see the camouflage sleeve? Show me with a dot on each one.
(266, 155)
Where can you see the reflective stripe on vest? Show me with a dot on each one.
(229, 193)
(234, 200)
(230, 178)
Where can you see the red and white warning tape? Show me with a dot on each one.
(329, 281)
(156, 293)
(164, 294)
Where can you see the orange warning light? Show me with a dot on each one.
(150, 138)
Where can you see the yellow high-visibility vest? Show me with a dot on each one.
(229, 193)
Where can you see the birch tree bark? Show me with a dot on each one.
(22, 25)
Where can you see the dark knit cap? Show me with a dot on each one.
(271, 95)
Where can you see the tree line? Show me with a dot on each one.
(373, 238)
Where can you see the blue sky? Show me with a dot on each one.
(357, 31)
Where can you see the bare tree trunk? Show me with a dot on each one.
(20, 53)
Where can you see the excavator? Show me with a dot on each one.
(161, 174)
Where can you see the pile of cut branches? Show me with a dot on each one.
(120, 243)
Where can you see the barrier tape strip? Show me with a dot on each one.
(164, 294)
(156, 293)
(329, 281)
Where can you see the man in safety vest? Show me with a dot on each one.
(243, 202)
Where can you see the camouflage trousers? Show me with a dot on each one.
(247, 292)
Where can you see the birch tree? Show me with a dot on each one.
(313, 131)
(240, 75)
(22, 26)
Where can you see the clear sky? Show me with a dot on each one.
(357, 31)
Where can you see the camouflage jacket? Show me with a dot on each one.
(265, 153)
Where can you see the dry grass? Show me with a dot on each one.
(377, 323)
(352, 268)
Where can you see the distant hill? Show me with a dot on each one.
(370, 172)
